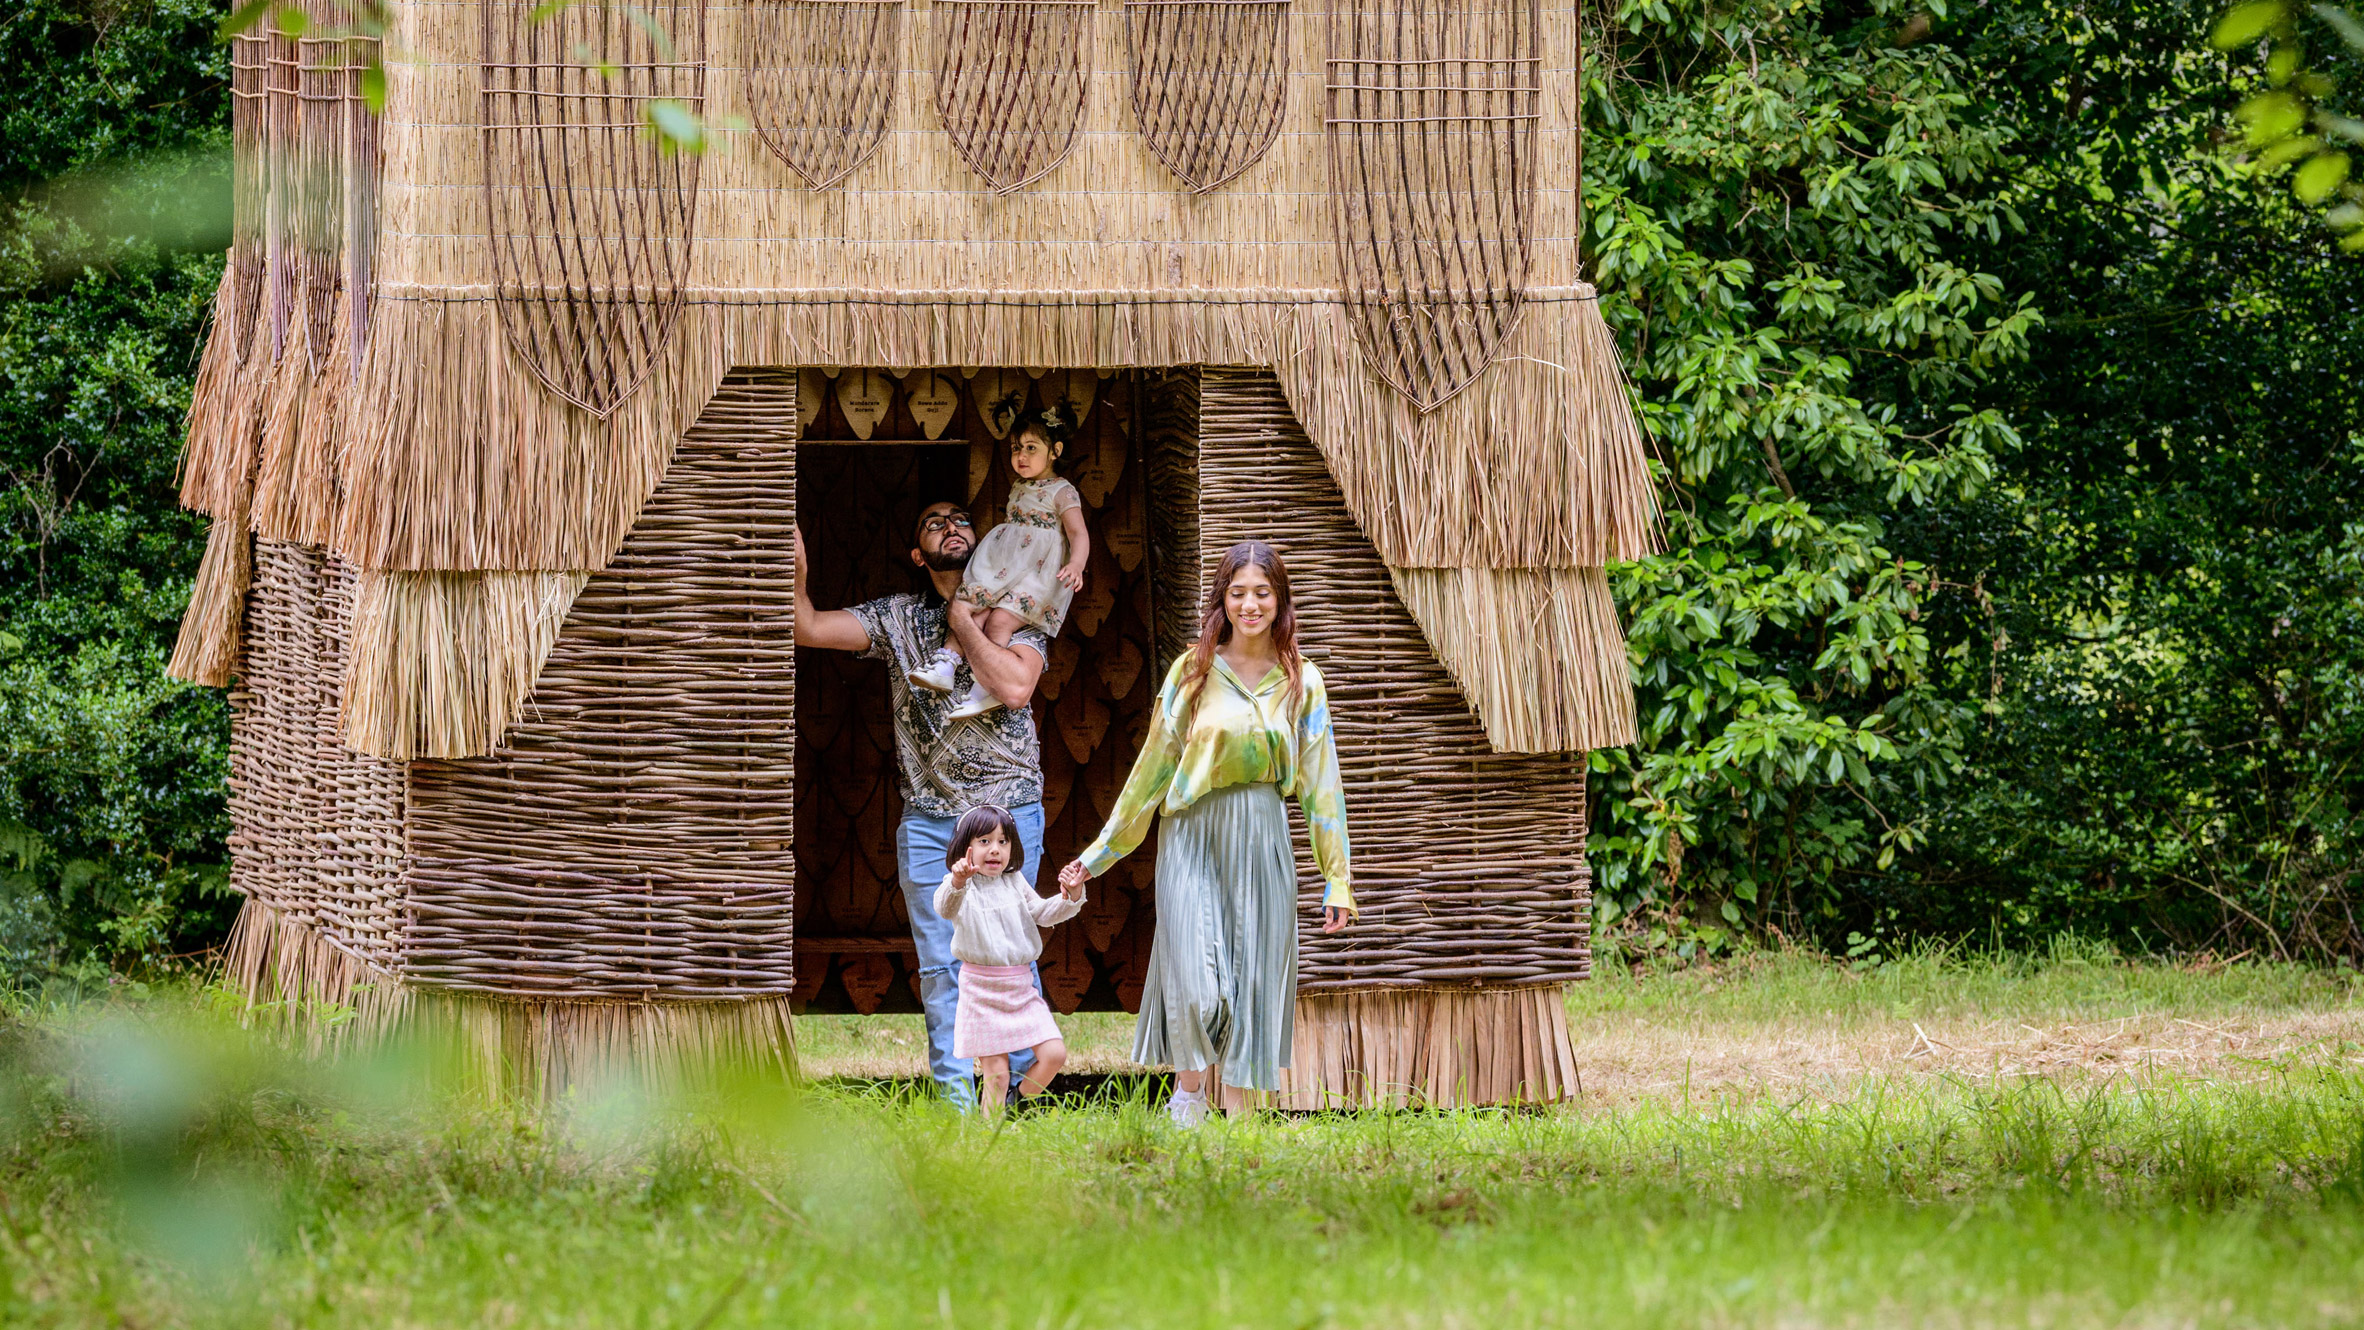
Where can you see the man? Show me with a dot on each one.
(948, 766)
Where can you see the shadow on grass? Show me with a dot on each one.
(1116, 1090)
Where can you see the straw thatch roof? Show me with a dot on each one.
(425, 450)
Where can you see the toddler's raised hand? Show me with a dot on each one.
(962, 872)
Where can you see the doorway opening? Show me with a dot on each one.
(873, 447)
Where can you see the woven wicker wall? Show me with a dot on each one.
(316, 828)
(1469, 865)
(852, 938)
(630, 839)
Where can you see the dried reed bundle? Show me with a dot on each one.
(456, 459)
(294, 483)
(441, 663)
(1540, 465)
(543, 1050)
(218, 459)
(293, 977)
(1538, 652)
(206, 651)
(1434, 1048)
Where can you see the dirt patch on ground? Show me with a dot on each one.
(1629, 1059)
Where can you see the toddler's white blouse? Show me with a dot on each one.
(999, 920)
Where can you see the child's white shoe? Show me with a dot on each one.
(1187, 1108)
(936, 675)
(977, 703)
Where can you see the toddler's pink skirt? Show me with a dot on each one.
(1000, 1011)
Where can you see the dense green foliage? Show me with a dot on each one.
(111, 176)
(2013, 584)
(2011, 460)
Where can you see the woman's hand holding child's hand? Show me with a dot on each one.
(1071, 576)
(1072, 879)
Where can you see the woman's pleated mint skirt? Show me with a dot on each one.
(1222, 983)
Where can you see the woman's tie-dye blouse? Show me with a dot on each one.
(1239, 736)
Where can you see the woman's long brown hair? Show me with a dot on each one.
(1215, 630)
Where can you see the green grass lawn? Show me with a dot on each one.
(161, 1169)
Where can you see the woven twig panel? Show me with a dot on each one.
(592, 213)
(1011, 76)
(1469, 865)
(1170, 436)
(316, 829)
(1431, 115)
(630, 838)
(853, 939)
(823, 81)
(1209, 80)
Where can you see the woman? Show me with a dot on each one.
(1241, 721)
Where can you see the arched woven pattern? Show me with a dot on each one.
(823, 81)
(1210, 78)
(1431, 119)
(1010, 82)
(591, 213)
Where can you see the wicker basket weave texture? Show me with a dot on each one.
(630, 839)
(316, 828)
(1469, 864)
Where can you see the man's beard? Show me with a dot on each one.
(945, 561)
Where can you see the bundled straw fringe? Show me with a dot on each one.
(1538, 652)
(282, 966)
(441, 663)
(462, 462)
(300, 981)
(1435, 1047)
(225, 407)
(207, 650)
(542, 1050)
(296, 481)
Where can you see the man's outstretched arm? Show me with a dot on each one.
(1009, 673)
(831, 630)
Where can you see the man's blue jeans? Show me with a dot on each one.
(920, 843)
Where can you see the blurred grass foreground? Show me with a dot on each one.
(2072, 1140)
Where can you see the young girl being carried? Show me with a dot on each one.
(996, 936)
(1026, 569)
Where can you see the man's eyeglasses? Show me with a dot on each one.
(943, 522)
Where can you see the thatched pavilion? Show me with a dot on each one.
(509, 409)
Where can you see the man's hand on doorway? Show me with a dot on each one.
(1009, 673)
(831, 630)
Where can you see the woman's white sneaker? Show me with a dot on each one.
(1187, 1108)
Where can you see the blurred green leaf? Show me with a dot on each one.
(2322, 174)
(2243, 24)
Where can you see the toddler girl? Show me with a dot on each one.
(1026, 569)
(996, 935)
